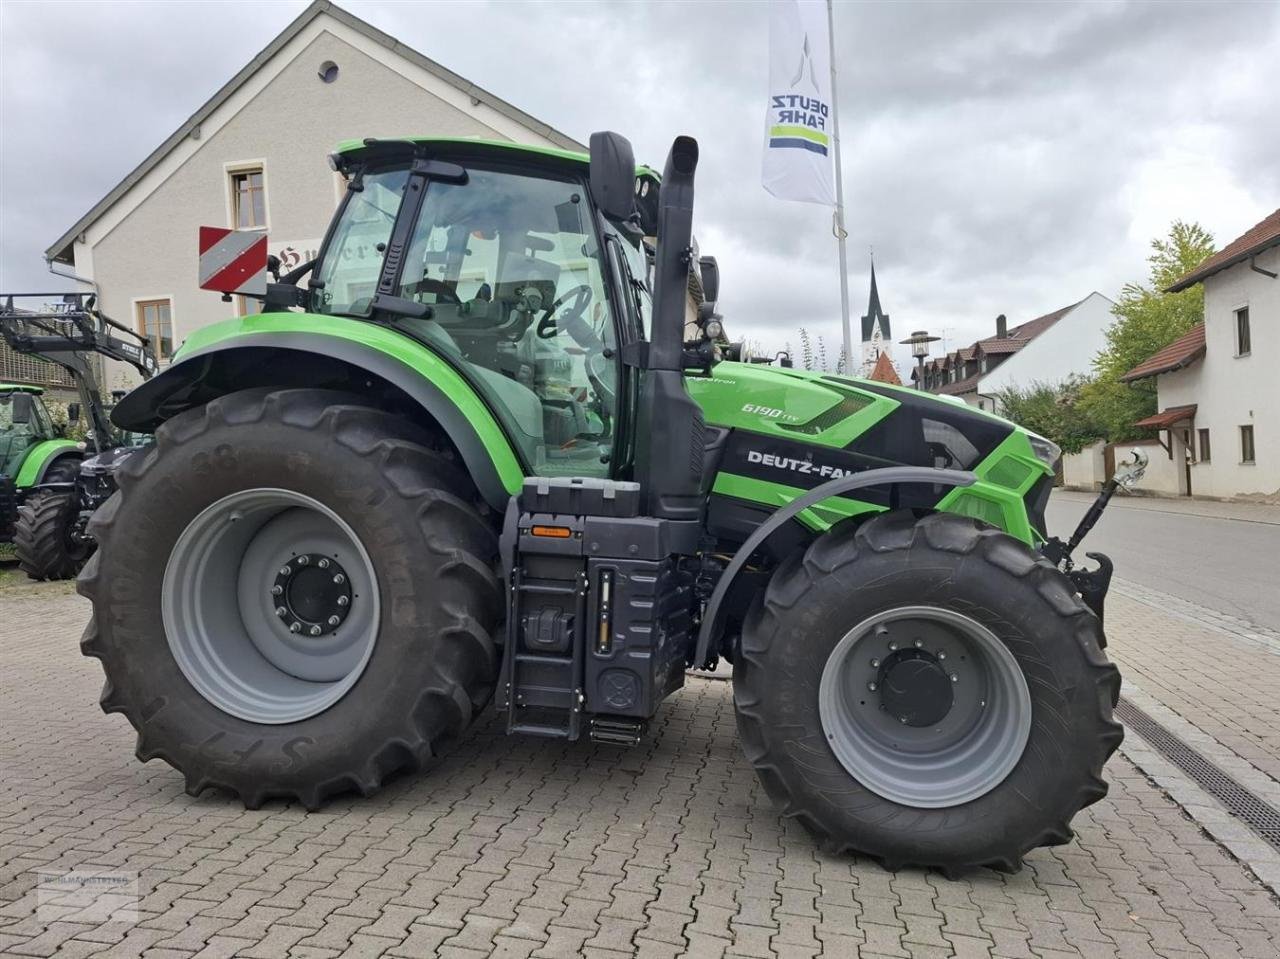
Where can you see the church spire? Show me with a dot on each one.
(875, 315)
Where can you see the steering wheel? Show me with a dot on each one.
(581, 296)
(442, 290)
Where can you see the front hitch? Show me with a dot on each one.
(1093, 584)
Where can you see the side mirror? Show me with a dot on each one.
(710, 272)
(1128, 472)
(613, 175)
(23, 409)
(73, 412)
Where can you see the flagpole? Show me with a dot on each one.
(838, 222)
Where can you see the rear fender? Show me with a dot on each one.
(291, 350)
(42, 458)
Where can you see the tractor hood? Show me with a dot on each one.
(827, 410)
(792, 430)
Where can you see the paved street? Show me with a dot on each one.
(1225, 556)
(524, 847)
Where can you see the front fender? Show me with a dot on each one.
(277, 347)
(41, 458)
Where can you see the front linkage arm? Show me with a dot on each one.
(1093, 584)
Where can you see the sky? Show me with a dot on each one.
(997, 157)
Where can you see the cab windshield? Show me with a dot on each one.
(510, 266)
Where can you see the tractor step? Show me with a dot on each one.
(617, 732)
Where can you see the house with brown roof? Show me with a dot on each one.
(1047, 349)
(1218, 386)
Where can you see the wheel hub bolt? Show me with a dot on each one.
(295, 627)
(875, 664)
(315, 630)
(893, 646)
(285, 570)
(919, 643)
(334, 621)
(955, 678)
(902, 719)
(339, 579)
(281, 612)
(871, 686)
(343, 600)
(303, 560)
(941, 654)
(323, 564)
(277, 590)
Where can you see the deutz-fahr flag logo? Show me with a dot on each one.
(798, 119)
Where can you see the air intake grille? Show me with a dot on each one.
(824, 421)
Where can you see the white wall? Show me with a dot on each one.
(1161, 475)
(1087, 469)
(1067, 347)
(145, 244)
(1230, 391)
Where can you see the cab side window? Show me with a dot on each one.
(511, 268)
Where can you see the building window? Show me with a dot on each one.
(1243, 344)
(155, 322)
(1246, 444)
(248, 200)
(1204, 446)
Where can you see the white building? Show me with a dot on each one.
(1048, 349)
(254, 157)
(1219, 385)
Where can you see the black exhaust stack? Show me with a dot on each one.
(670, 429)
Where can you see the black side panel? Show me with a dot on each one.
(805, 466)
(8, 508)
(918, 432)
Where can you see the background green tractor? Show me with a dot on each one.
(475, 459)
(32, 451)
(45, 510)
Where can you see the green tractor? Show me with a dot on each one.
(32, 451)
(59, 483)
(476, 459)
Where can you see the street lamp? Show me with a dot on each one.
(919, 342)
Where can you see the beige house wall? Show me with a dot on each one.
(287, 119)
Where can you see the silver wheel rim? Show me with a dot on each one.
(885, 713)
(253, 606)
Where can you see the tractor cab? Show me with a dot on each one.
(24, 423)
(502, 264)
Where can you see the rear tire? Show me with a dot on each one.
(938, 571)
(430, 662)
(42, 536)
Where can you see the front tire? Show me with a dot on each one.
(43, 540)
(877, 745)
(215, 530)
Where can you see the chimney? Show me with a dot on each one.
(1002, 326)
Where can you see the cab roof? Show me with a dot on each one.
(20, 388)
(351, 149)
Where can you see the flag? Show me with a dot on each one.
(799, 120)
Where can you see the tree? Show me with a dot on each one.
(1053, 410)
(1147, 320)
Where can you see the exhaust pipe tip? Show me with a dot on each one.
(683, 159)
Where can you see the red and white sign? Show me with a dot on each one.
(233, 261)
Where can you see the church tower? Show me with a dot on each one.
(876, 336)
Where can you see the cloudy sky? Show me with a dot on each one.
(1000, 157)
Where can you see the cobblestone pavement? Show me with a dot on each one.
(517, 847)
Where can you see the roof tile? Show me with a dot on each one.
(1254, 240)
(1183, 351)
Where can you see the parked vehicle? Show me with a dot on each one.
(474, 458)
(49, 507)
